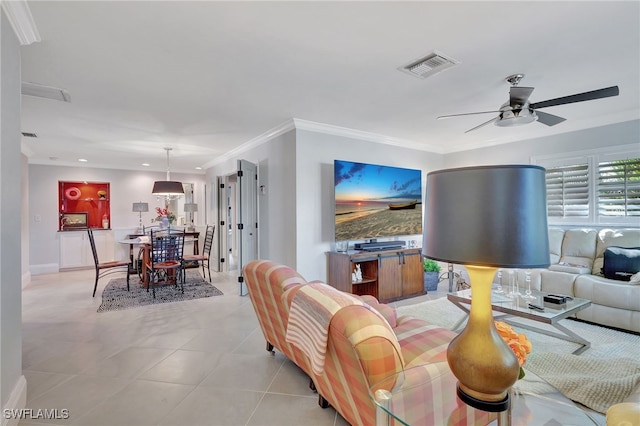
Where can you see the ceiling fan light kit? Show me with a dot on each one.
(519, 111)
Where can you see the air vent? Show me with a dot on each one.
(431, 64)
(29, 135)
(40, 91)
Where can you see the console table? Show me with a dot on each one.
(387, 275)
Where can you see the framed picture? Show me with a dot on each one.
(73, 220)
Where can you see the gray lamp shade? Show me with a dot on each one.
(488, 216)
(167, 187)
(140, 207)
(190, 207)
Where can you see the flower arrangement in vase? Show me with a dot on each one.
(171, 217)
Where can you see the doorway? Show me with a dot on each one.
(238, 217)
(227, 224)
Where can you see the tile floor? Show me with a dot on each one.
(200, 362)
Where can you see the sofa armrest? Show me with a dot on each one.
(385, 310)
(557, 282)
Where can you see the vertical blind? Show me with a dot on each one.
(568, 191)
(619, 188)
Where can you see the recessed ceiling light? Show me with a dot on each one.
(146, 164)
(198, 168)
(82, 160)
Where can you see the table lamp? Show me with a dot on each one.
(486, 217)
(190, 208)
(140, 207)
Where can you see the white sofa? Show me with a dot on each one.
(577, 259)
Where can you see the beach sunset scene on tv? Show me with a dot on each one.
(374, 201)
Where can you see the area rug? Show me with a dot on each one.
(603, 375)
(115, 296)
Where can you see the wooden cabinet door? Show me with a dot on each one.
(412, 274)
(389, 277)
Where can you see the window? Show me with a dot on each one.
(599, 187)
(619, 188)
(568, 191)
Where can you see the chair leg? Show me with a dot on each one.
(127, 278)
(323, 403)
(312, 385)
(269, 347)
(208, 270)
(95, 286)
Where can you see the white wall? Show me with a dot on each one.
(12, 382)
(522, 151)
(315, 153)
(126, 187)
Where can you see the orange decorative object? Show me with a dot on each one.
(72, 193)
(519, 344)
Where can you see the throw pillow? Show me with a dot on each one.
(635, 278)
(620, 263)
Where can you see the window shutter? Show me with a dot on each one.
(568, 191)
(619, 188)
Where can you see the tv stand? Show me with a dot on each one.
(387, 274)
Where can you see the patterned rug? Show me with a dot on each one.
(603, 375)
(115, 296)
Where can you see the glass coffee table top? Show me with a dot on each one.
(426, 395)
(519, 307)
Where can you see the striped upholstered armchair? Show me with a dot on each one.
(365, 343)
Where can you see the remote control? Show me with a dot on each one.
(536, 307)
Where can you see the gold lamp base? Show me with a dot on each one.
(483, 363)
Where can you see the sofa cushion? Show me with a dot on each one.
(621, 263)
(579, 247)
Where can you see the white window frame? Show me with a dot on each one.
(592, 158)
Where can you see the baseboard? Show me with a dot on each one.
(44, 268)
(26, 279)
(17, 401)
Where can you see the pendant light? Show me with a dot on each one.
(168, 188)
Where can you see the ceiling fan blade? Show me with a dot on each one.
(466, 113)
(483, 124)
(518, 96)
(580, 97)
(549, 119)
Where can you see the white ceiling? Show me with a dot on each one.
(205, 77)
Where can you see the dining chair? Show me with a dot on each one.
(164, 262)
(202, 258)
(106, 268)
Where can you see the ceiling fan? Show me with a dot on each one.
(518, 110)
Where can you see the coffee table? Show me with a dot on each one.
(518, 308)
(426, 395)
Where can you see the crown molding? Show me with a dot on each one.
(312, 126)
(21, 20)
(362, 135)
(258, 140)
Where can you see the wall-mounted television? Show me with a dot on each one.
(374, 201)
